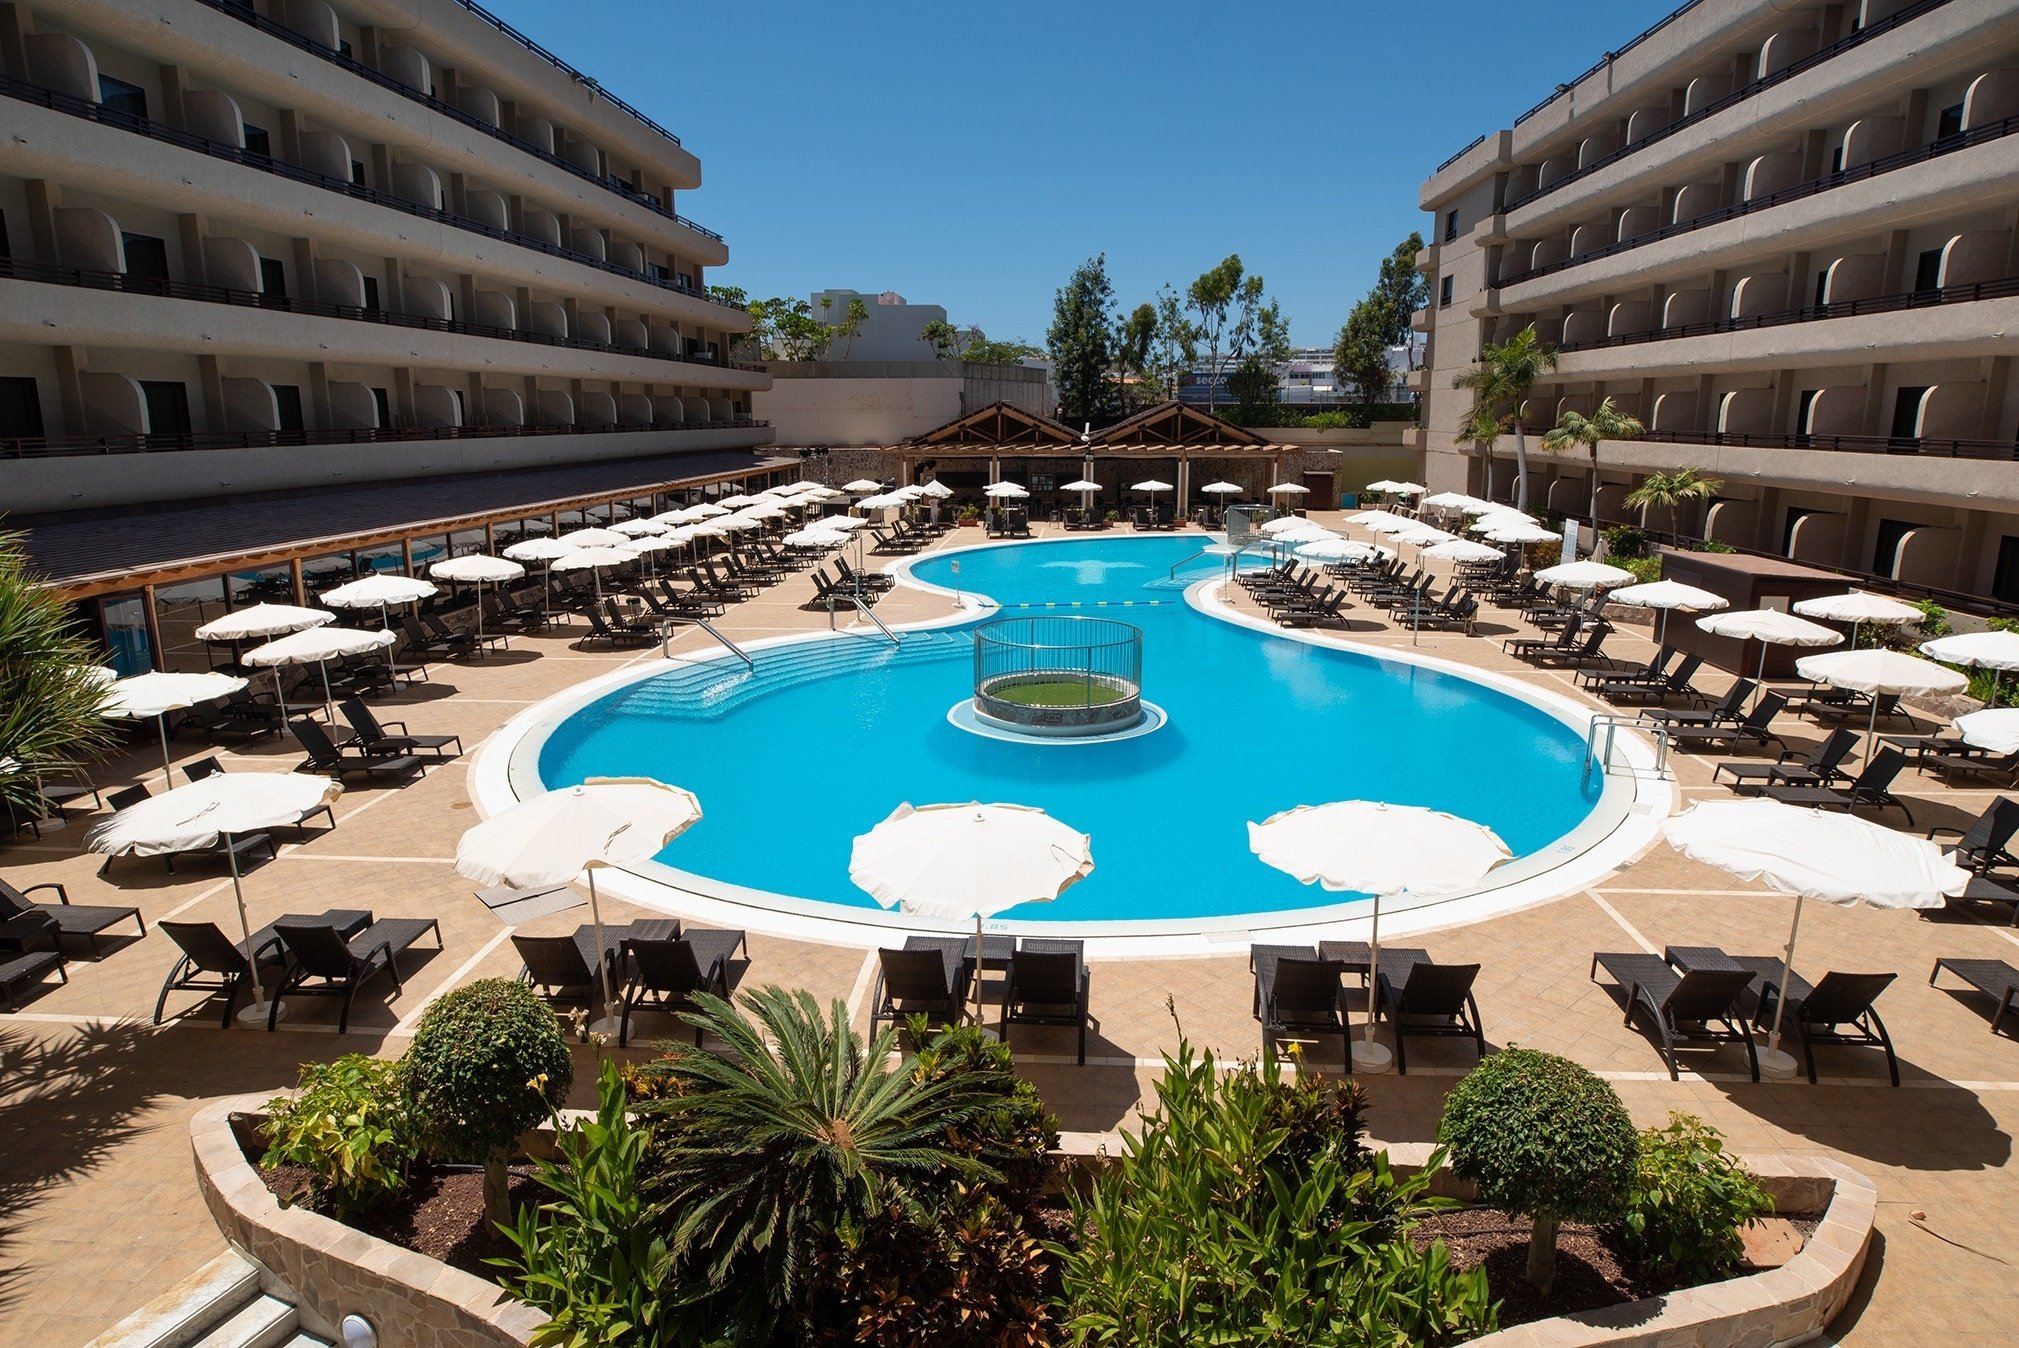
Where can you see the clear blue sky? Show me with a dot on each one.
(972, 155)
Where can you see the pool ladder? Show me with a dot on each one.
(666, 631)
(1603, 732)
(862, 607)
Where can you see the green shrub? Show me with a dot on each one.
(1934, 620)
(1248, 1211)
(1711, 545)
(1645, 570)
(1623, 543)
(1541, 1138)
(1689, 1201)
(487, 1063)
(1011, 1133)
(591, 1256)
(968, 517)
(350, 1127)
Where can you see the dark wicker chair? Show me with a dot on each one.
(1047, 985)
(1702, 1005)
(1837, 1010)
(1298, 994)
(664, 975)
(321, 963)
(930, 977)
(1429, 999)
(214, 963)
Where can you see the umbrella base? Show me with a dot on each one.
(51, 823)
(1371, 1057)
(608, 1027)
(1777, 1064)
(255, 1014)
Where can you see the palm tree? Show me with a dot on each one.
(1670, 490)
(50, 694)
(1502, 378)
(1607, 423)
(1483, 427)
(798, 1131)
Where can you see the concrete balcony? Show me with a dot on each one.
(1419, 319)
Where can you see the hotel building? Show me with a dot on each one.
(1781, 235)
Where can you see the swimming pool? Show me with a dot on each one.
(823, 739)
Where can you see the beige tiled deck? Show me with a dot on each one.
(98, 1211)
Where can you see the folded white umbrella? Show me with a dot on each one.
(1518, 533)
(1876, 670)
(1994, 730)
(201, 814)
(1832, 855)
(156, 694)
(861, 484)
(1390, 487)
(1004, 490)
(379, 592)
(1584, 575)
(1463, 550)
(640, 528)
(317, 646)
(1666, 595)
(551, 838)
(262, 620)
(1289, 489)
(1371, 847)
(956, 862)
(1222, 489)
(1152, 484)
(593, 538)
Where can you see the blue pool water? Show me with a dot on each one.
(795, 760)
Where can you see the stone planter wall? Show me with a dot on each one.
(336, 1271)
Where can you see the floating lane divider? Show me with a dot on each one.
(1098, 603)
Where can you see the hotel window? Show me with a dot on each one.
(167, 406)
(2005, 579)
(1950, 123)
(1907, 413)
(257, 141)
(287, 405)
(20, 409)
(146, 257)
(1444, 293)
(384, 405)
(273, 278)
(371, 294)
(1928, 270)
(120, 96)
(1450, 225)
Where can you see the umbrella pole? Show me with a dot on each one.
(167, 777)
(1774, 1062)
(1368, 1056)
(977, 969)
(328, 699)
(258, 1008)
(1872, 728)
(609, 1021)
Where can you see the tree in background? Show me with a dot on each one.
(1483, 427)
(944, 338)
(50, 694)
(1574, 430)
(1501, 380)
(1361, 353)
(972, 346)
(1253, 381)
(1135, 339)
(1082, 342)
(1174, 348)
(1671, 491)
(851, 323)
(1381, 321)
(1226, 303)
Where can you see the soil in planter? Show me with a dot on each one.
(439, 1214)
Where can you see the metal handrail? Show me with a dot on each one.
(1611, 723)
(168, 442)
(161, 131)
(2002, 288)
(862, 607)
(666, 639)
(1920, 154)
(1735, 97)
(1609, 58)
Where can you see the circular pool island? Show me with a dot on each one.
(1058, 677)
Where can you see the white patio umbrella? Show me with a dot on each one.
(1858, 606)
(1501, 516)
(937, 490)
(861, 484)
(593, 560)
(1369, 519)
(1152, 484)
(1336, 549)
(1222, 489)
(1289, 489)
(1390, 487)
(736, 502)
(815, 538)
(262, 620)
(1876, 670)
(1463, 550)
(1004, 490)
(551, 838)
(1082, 484)
(968, 861)
(845, 523)
(1385, 523)
(1305, 532)
(476, 568)
(317, 646)
(544, 551)
(1996, 651)
(650, 548)
(640, 528)
(215, 809)
(884, 501)
(1424, 536)
(1995, 729)
(1814, 854)
(1287, 524)
(707, 510)
(1518, 533)
(1584, 576)
(1371, 847)
(1456, 500)
(379, 592)
(1666, 595)
(593, 538)
(156, 694)
(1769, 627)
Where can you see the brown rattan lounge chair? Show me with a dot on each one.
(325, 756)
(1820, 766)
(374, 741)
(1702, 1005)
(1872, 787)
(214, 963)
(664, 975)
(1837, 1010)
(1047, 985)
(72, 919)
(1993, 978)
(30, 949)
(1300, 995)
(1430, 999)
(930, 977)
(321, 963)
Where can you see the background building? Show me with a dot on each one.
(1783, 237)
(1308, 379)
(351, 286)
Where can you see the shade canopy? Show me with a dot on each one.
(845, 523)
(589, 559)
(1486, 511)
(1393, 488)
(862, 484)
(959, 862)
(156, 693)
(593, 538)
(262, 620)
(1082, 485)
(476, 567)
(1456, 500)
(815, 538)
(1995, 729)
(886, 501)
(1463, 550)
(1274, 528)
(1584, 575)
(1817, 854)
(1221, 489)
(551, 838)
(317, 645)
(640, 528)
(1305, 532)
(378, 592)
(663, 543)
(1986, 650)
(1371, 847)
(1878, 670)
(1517, 533)
(1152, 484)
(540, 549)
(199, 814)
(736, 501)
(1370, 519)
(1669, 594)
(1288, 489)
(1424, 536)
(707, 510)
(1336, 549)
(1857, 606)
(1769, 625)
(1008, 490)
(936, 489)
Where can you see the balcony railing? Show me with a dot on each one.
(2003, 288)
(1929, 446)
(71, 446)
(161, 131)
(1920, 154)
(89, 279)
(240, 10)
(1608, 59)
(1848, 42)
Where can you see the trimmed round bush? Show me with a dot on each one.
(1542, 1138)
(488, 1062)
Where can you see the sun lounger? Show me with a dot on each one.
(1872, 787)
(322, 963)
(1299, 995)
(30, 950)
(2001, 768)
(1752, 728)
(390, 739)
(930, 977)
(1820, 766)
(1993, 978)
(665, 974)
(1838, 1010)
(1047, 985)
(214, 963)
(324, 756)
(1702, 1005)
(88, 921)
(1986, 843)
(1419, 997)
